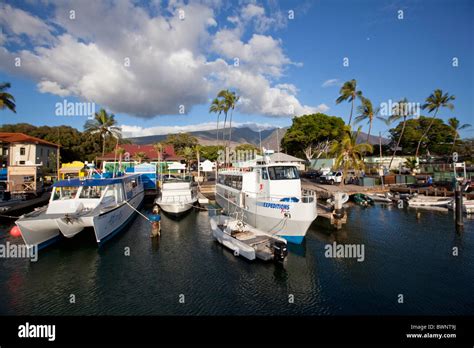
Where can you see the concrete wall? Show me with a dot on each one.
(33, 154)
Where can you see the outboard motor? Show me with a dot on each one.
(280, 251)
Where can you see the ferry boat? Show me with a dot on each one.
(104, 204)
(269, 197)
(177, 195)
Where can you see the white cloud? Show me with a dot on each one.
(19, 22)
(331, 83)
(131, 131)
(170, 64)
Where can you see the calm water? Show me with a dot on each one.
(403, 255)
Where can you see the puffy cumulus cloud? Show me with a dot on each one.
(18, 22)
(146, 62)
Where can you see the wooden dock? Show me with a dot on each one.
(327, 191)
(428, 191)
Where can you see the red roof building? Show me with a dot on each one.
(132, 149)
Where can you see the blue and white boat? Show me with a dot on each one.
(106, 205)
(268, 197)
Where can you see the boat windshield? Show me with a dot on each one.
(64, 193)
(91, 192)
(283, 173)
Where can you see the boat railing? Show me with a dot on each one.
(308, 196)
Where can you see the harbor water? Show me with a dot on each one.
(185, 272)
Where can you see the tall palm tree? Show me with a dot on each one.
(230, 100)
(349, 92)
(217, 106)
(6, 99)
(401, 110)
(455, 125)
(103, 124)
(367, 113)
(158, 147)
(434, 102)
(349, 154)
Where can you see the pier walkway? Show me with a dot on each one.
(327, 191)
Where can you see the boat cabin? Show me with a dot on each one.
(271, 180)
(74, 195)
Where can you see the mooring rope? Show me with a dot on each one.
(131, 206)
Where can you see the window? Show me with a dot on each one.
(283, 173)
(264, 174)
(22, 151)
(22, 162)
(91, 192)
(64, 193)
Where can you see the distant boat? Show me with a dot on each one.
(429, 201)
(247, 241)
(467, 206)
(177, 195)
(106, 205)
(381, 197)
(362, 199)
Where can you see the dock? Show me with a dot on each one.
(327, 191)
(428, 191)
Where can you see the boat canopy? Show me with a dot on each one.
(91, 182)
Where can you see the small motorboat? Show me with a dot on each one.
(429, 201)
(467, 206)
(247, 241)
(362, 200)
(386, 197)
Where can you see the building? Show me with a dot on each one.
(22, 149)
(151, 155)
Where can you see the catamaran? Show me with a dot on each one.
(269, 197)
(106, 205)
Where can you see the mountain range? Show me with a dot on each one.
(242, 135)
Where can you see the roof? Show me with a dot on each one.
(149, 150)
(91, 182)
(23, 138)
(283, 157)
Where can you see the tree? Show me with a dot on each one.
(455, 125)
(412, 164)
(159, 150)
(349, 154)
(7, 101)
(439, 138)
(210, 152)
(217, 106)
(349, 92)
(367, 113)
(434, 102)
(103, 124)
(230, 100)
(181, 141)
(120, 151)
(189, 154)
(401, 110)
(140, 157)
(309, 130)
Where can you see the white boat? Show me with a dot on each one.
(247, 241)
(381, 197)
(269, 197)
(105, 205)
(467, 206)
(429, 201)
(177, 195)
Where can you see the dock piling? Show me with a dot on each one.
(458, 208)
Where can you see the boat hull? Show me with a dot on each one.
(178, 208)
(290, 220)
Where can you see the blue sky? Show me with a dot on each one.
(184, 62)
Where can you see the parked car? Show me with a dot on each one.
(332, 178)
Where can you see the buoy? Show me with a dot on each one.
(15, 231)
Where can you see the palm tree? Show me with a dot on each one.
(454, 123)
(217, 106)
(103, 124)
(349, 92)
(120, 151)
(367, 112)
(434, 102)
(140, 157)
(412, 164)
(6, 99)
(230, 100)
(401, 110)
(159, 150)
(348, 153)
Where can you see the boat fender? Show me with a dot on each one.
(154, 217)
(236, 252)
(15, 231)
